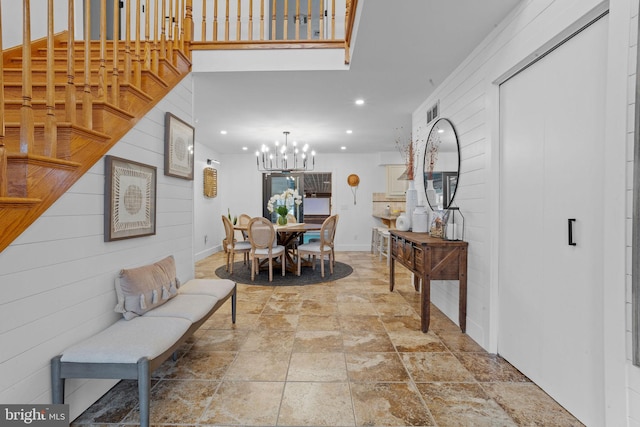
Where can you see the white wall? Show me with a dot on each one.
(208, 231)
(470, 99)
(57, 277)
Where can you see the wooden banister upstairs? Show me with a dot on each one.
(48, 139)
(65, 102)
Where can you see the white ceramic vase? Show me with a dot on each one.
(420, 220)
(402, 222)
(411, 200)
(431, 194)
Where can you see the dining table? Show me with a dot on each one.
(288, 235)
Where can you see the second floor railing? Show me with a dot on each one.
(272, 24)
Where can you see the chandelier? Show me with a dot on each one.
(285, 157)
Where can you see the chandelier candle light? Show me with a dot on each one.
(284, 157)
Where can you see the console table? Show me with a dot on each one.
(430, 258)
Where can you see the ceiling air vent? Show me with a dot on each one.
(433, 112)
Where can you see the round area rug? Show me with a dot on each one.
(242, 274)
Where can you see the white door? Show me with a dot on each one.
(550, 292)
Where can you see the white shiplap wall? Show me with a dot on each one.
(470, 99)
(57, 277)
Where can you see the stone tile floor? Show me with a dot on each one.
(343, 353)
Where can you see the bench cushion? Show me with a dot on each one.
(189, 307)
(126, 341)
(218, 288)
(144, 288)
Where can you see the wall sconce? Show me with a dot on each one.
(209, 161)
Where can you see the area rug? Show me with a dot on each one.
(242, 274)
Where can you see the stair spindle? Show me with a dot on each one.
(250, 35)
(226, 23)
(285, 21)
(147, 37)
(163, 34)
(87, 102)
(333, 19)
(50, 125)
(181, 25)
(297, 19)
(102, 68)
(3, 154)
(155, 54)
(137, 57)
(273, 20)
(309, 19)
(238, 23)
(27, 132)
(70, 89)
(215, 20)
(170, 33)
(204, 20)
(176, 30)
(127, 43)
(261, 19)
(115, 74)
(321, 19)
(188, 28)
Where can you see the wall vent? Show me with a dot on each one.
(433, 112)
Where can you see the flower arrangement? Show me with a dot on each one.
(408, 150)
(282, 203)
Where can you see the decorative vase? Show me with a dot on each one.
(282, 220)
(411, 200)
(402, 222)
(431, 194)
(420, 220)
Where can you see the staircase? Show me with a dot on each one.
(47, 147)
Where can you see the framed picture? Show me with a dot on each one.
(130, 199)
(178, 147)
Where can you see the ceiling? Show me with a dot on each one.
(401, 54)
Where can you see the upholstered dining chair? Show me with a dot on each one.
(291, 219)
(232, 246)
(244, 219)
(321, 248)
(262, 236)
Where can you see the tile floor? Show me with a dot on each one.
(345, 353)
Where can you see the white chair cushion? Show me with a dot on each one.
(218, 288)
(313, 247)
(126, 341)
(241, 246)
(190, 307)
(275, 251)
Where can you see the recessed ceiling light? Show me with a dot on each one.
(349, 131)
(223, 132)
(343, 148)
(244, 148)
(359, 101)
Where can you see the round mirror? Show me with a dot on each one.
(441, 165)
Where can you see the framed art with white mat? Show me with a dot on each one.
(178, 147)
(130, 199)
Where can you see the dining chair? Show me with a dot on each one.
(322, 248)
(232, 246)
(244, 219)
(262, 236)
(291, 219)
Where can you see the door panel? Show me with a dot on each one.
(550, 293)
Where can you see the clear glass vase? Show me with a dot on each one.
(282, 220)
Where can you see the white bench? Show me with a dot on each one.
(133, 349)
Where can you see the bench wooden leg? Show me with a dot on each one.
(144, 390)
(57, 382)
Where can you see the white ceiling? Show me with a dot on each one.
(403, 50)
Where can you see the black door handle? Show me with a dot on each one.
(570, 223)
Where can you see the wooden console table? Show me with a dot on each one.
(430, 258)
